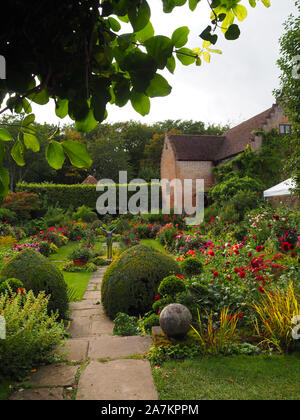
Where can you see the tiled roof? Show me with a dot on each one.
(214, 148)
(237, 138)
(188, 147)
(90, 180)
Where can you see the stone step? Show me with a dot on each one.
(117, 380)
(113, 347)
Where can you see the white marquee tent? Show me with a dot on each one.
(284, 188)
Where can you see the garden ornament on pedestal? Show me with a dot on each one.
(109, 234)
(175, 320)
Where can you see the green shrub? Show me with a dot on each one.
(125, 325)
(96, 224)
(171, 285)
(66, 196)
(24, 204)
(45, 248)
(10, 285)
(99, 261)
(39, 274)
(244, 201)
(151, 321)
(228, 213)
(85, 214)
(71, 268)
(161, 303)
(211, 211)
(31, 334)
(191, 266)
(240, 232)
(131, 281)
(159, 354)
(81, 252)
(166, 235)
(90, 267)
(55, 216)
(55, 238)
(7, 215)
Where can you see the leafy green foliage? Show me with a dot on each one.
(288, 95)
(31, 334)
(91, 64)
(10, 285)
(125, 325)
(191, 266)
(171, 285)
(150, 321)
(242, 180)
(23, 204)
(130, 282)
(38, 274)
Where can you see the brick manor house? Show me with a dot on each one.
(194, 156)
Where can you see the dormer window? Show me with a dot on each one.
(285, 128)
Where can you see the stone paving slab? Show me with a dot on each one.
(47, 394)
(54, 375)
(76, 349)
(84, 304)
(106, 347)
(81, 313)
(117, 380)
(102, 326)
(80, 327)
(93, 287)
(92, 294)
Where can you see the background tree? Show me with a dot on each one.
(108, 151)
(71, 52)
(289, 93)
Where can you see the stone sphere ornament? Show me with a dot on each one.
(175, 320)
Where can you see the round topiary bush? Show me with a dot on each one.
(171, 285)
(38, 274)
(130, 283)
(191, 266)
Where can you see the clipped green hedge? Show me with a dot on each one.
(130, 283)
(74, 195)
(38, 274)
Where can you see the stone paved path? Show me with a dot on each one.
(101, 366)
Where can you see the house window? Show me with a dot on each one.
(285, 128)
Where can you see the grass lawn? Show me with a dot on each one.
(155, 244)
(77, 281)
(262, 377)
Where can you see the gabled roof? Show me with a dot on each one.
(237, 138)
(188, 147)
(215, 148)
(90, 180)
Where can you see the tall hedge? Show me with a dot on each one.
(74, 195)
(130, 283)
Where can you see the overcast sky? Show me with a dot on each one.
(235, 85)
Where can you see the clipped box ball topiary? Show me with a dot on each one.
(130, 283)
(191, 266)
(38, 274)
(171, 285)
